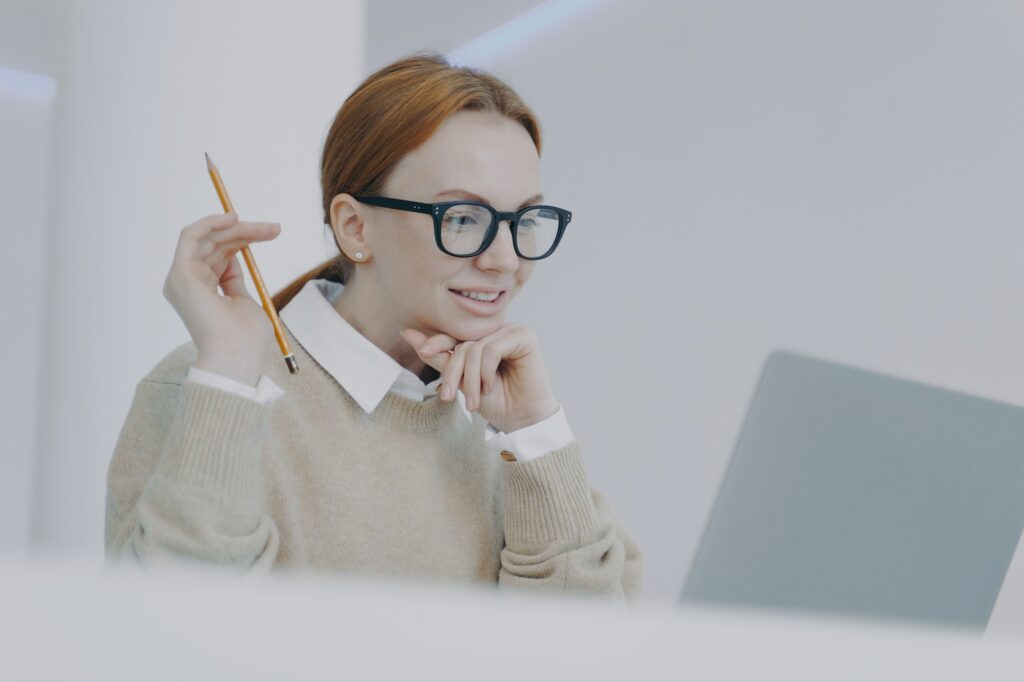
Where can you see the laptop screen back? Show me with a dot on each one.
(861, 494)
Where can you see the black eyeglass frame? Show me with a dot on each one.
(437, 211)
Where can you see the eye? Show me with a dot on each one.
(462, 220)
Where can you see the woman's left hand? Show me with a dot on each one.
(502, 375)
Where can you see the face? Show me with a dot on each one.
(405, 280)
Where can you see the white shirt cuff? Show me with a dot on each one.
(535, 440)
(265, 391)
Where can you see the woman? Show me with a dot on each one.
(420, 438)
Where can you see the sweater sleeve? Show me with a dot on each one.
(184, 485)
(561, 535)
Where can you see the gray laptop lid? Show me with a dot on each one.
(861, 494)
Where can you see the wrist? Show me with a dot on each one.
(549, 411)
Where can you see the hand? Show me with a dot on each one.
(231, 332)
(502, 375)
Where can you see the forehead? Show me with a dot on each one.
(481, 152)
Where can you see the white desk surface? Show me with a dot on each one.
(74, 622)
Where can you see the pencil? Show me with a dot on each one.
(268, 305)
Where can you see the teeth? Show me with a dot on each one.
(479, 297)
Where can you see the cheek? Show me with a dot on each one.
(524, 272)
(423, 275)
(411, 255)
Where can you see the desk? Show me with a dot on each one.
(74, 622)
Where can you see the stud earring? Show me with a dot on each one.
(359, 255)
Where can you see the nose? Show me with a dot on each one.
(501, 254)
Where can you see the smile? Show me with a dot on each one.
(478, 306)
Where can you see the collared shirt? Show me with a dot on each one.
(367, 373)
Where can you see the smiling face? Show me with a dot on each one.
(405, 281)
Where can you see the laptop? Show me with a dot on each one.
(858, 494)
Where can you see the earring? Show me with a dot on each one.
(359, 255)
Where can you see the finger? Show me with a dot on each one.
(221, 264)
(223, 243)
(452, 374)
(439, 343)
(491, 356)
(203, 226)
(436, 360)
(194, 241)
(436, 350)
(216, 255)
(245, 230)
(508, 343)
(413, 337)
(232, 282)
(490, 359)
(214, 221)
(471, 375)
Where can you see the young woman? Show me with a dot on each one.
(420, 438)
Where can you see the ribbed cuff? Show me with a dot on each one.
(547, 499)
(216, 440)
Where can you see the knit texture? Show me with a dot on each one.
(314, 483)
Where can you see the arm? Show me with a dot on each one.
(561, 535)
(184, 485)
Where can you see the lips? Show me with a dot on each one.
(479, 290)
(480, 308)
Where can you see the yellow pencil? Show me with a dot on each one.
(268, 304)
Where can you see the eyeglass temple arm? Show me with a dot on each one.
(388, 202)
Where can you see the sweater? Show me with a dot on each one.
(311, 483)
(367, 372)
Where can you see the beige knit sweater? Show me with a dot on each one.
(313, 483)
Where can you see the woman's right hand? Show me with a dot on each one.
(230, 331)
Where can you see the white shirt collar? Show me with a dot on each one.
(363, 369)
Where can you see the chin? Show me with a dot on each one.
(474, 330)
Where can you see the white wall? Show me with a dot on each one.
(838, 178)
(26, 99)
(143, 89)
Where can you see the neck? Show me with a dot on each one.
(382, 331)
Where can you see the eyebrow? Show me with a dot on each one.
(476, 197)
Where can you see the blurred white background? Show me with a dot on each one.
(837, 178)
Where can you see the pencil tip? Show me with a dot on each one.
(209, 164)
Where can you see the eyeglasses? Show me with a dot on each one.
(467, 228)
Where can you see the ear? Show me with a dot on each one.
(348, 223)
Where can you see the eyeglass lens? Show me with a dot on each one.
(464, 227)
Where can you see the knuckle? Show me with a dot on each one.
(192, 232)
